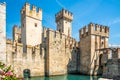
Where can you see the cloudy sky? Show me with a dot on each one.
(104, 12)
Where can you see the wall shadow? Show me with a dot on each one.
(74, 61)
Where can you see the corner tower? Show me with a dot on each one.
(3, 32)
(64, 22)
(31, 25)
(92, 38)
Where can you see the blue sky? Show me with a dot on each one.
(105, 12)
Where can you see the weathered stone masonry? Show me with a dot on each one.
(3, 32)
(47, 52)
(92, 37)
(56, 53)
(61, 52)
(33, 59)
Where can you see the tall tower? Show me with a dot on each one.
(31, 25)
(64, 22)
(3, 32)
(92, 38)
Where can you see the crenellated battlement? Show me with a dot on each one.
(37, 47)
(16, 34)
(44, 29)
(34, 12)
(8, 41)
(16, 29)
(55, 34)
(19, 44)
(71, 43)
(94, 29)
(44, 34)
(65, 14)
(29, 46)
(3, 4)
(18, 48)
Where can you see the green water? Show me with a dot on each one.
(66, 77)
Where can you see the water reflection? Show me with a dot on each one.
(57, 78)
(66, 77)
(94, 77)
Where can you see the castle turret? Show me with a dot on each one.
(64, 22)
(31, 25)
(92, 38)
(16, 34)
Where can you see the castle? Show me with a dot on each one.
(47, 52)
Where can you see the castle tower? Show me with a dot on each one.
(92, 38)
(3, 32)
(31, 25)
(16, 34)
(64, 22)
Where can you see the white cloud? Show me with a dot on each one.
(59, 3)
(115, 21)
(111, 22)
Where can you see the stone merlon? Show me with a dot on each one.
(64, 14)
(94, 29)
(35, 13)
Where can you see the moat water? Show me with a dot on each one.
(67, 77)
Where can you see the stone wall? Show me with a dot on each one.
(111, 63)
(3, 32)
(61, 54)
(92, 38)
(85, 58)
(112, 68)
(57, 55)
(33, 59)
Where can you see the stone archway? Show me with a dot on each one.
(26, 73)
